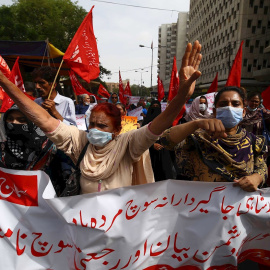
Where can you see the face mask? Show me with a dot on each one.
(252, 110)
(98, 138)
(87, 103)
(229, 116)
(202, 107)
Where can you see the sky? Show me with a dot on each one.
(120, 29)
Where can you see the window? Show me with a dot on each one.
(257, 43)
(265, 10)
(249, 68)
(253, 31)
(263, 30)
(251, 49)
(261, 3)
(247, 42)
(268, 25)
(245, 62)
(251, 2)
(264, 63)
(259, 24)
(255, 62)
(255, 9)
(249, 22)
(261, 49)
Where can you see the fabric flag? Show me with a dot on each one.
(77, 87)
(103, 91)
(266, 98)
(82, 53)
(121, 90)
(6, 71)
(160, 89)
(214, 86)
(127, 91)
(179, 116)
(16, 78)
(234, 78)
(174, 83)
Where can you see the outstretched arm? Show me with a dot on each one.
(188, 74)
(33, 111)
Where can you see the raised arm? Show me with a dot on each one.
(33, 111)
(188, 74)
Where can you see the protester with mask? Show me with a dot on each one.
(253, 120)
(93, 103)
(84, 104)
(25, 147)
(109, 160)
(198, 109)
(218, 149)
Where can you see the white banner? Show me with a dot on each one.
(166, 225)
(136, 112)
(80, 121)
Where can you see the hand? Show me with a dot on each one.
(157, 146)
(189, 72)
(249, 183)
(213, 127)
(49, 105)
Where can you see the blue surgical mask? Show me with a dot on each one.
(252, 110)
(98, 138)
(229, 116)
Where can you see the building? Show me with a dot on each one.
(220, 26)
(172, 41)
(114, 87)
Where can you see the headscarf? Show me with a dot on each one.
(110, 99)
(24, 143)
(152, 112)
(194, 112)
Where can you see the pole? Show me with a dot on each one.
(152, 70)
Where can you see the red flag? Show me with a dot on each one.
(266, 98)
(179, 116)
(16, 78)
(234, 78)
(160, 89)
(103, 91)
(77, 87)
(121, 90)
(127, 91)
(174, 83)
(214, 86)
(82, 54)
(6, 71)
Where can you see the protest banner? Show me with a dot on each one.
(134, 99)
(136, 112)
(80, 121)
(165, 225)
(163, 106)
(128, 123)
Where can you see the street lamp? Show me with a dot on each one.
(141, 77)
(152, 48)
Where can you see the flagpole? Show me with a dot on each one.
(55, 78)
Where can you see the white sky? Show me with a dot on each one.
(120, 29)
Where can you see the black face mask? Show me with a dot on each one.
(18, 131)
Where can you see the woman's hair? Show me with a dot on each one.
(227, 89)
(45, 72)
(111, 111)
(254, 94)
(122, 105)
(204, 97)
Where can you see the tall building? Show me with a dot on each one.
(220, 26)
(172, 40)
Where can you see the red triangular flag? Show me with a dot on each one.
(121, 90)
(127, 91)
(266, 98)
(82, 54)
(103, 91)
(174, 83)
(160, 89)
(16, 78)
(6, 71)
(234, 78)
(214, 85)
(77, 87)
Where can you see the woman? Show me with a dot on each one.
(253, 121)
(198, 109)
(25, 147)
(218, 149)
(108, 162)
(160, 157)
(122, 109)
(114, 99)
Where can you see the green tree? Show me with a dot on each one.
(32, 20)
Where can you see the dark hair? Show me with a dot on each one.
(205, 99)
(112, 112)
(227, 89)
(47, 73)
(122, 105)
(254, 94)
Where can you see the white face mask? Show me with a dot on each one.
(202, 107)
(98, 138)
(86, 103)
